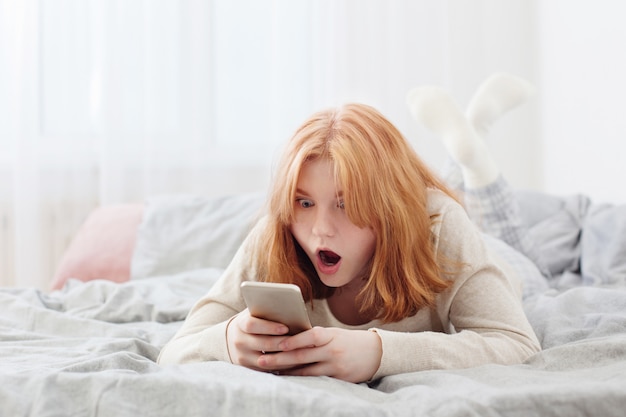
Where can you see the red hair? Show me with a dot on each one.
(385, 188)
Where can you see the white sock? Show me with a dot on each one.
(437, 111)
(498, 94)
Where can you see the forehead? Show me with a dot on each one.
(317, 167)
(317, 175)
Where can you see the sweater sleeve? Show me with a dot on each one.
(481, 314)
(202, 336)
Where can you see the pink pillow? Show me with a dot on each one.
(103, 246)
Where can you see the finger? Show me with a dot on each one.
(252, 359)
(313, 369)
(291, 359)
(315, 337)
(267, 344)
(255, 325)
(245, 348)
(266, 364)
(258, 344)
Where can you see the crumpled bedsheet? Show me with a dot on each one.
(90, 349)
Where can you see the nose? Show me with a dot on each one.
(324, 224)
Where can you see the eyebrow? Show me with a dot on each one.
(301, 191)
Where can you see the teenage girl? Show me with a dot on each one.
(396, 276)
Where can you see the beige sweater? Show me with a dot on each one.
(478, 320)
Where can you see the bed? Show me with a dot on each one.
(89, 347)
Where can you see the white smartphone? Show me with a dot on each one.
(281, 303)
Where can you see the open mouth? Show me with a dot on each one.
(329, 258)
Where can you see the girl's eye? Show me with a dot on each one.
(304, 203)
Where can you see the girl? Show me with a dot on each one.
(395, 275)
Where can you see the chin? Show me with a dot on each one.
(327, 282)
(331, 281)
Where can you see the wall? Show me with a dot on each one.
(156, 98)
(486, 36)
(582, 66)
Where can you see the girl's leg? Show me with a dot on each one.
(436, 110)
(489, 200)
(495, 96)
(493, 205)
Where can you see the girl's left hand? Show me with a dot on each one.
(351, 355)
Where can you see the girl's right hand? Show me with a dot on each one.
(248, 338)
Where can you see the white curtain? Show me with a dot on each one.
(110, 101)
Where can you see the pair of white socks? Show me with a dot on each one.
(463, 133)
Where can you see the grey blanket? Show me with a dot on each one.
(90, 350)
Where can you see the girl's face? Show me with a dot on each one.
(339, 250)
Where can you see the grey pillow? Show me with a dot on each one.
(186, 232)
(555, 225)
(603, 246)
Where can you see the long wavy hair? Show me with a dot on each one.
(385, 188)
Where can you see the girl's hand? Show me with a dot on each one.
(249, 337)
(351, 355)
